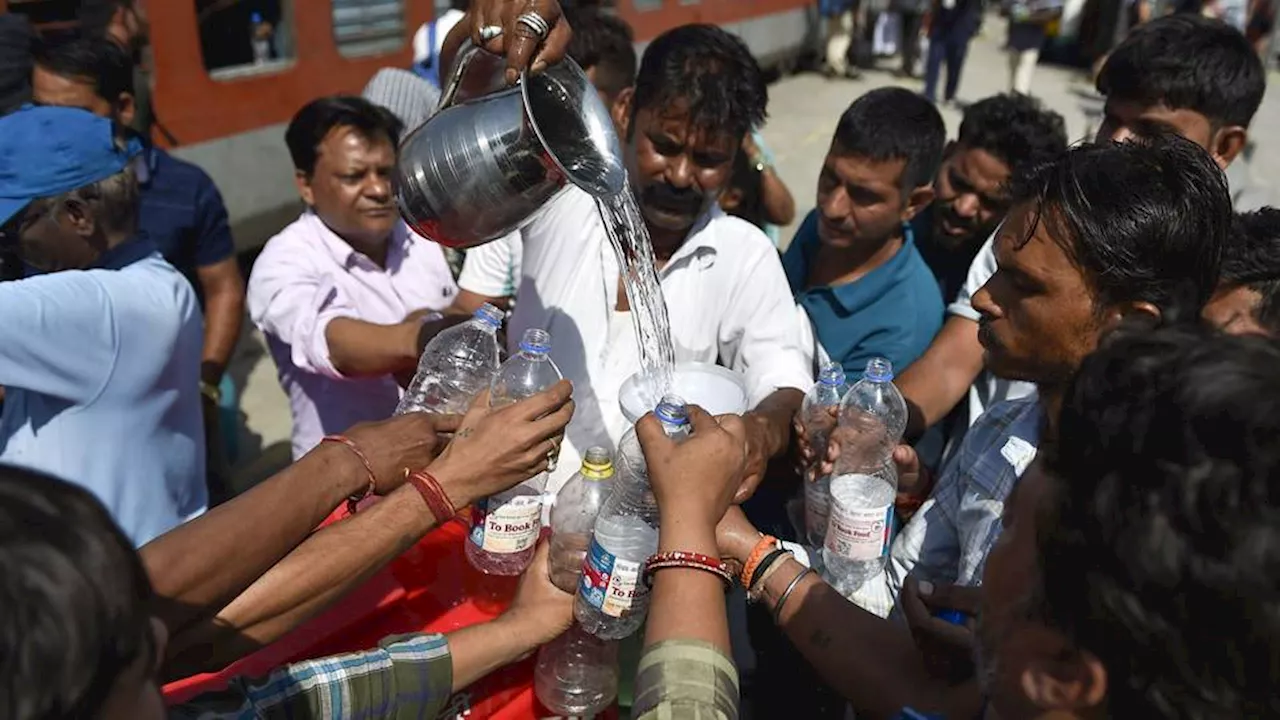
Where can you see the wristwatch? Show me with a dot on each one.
(211, 391)
(758, 163)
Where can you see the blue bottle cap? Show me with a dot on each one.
(955, 617)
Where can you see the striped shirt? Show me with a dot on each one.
(408, 97)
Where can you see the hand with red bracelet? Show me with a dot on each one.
(695, 479)
(497, 448)
(410, 441)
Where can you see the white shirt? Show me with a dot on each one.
(726, 293)
(444, 24)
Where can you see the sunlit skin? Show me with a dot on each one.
(1234, 310)
(350, 189)
(1124, 120)
(48, 88)
(970, 196)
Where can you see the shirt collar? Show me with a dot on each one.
(348, 257)
(699, 242)
(853, 296)
(127, 253)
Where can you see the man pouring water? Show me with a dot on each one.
(697, 93)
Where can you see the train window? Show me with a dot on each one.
(245, 38)
(368, 27)
(643, 5)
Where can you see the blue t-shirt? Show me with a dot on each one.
(101, 370)
(182, 212)
(892, 312)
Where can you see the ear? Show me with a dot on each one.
(621, 111)
(918, 200)
(303, 181)
(1071, 685)
(1228, 142)
(80, 217)
(126, 109)
(1140, 310)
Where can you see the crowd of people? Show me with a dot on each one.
(1083, 335)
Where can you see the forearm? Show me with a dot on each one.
(779, 205)
(321, 571)
(773, 416)
(823, 626)
(360, 349)
(940, 378)
(480, 649)
(224, 312)
(687, 604)
(198, 567)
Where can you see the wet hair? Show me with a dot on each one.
(709, 70)
(1190, 62)
(1016, 129)
(892, 123)
(75, 598)
(96, 15)
(93, 58)
(318, 118)
(603, 41)
(1252, 259)
(1162, 556)
(1144, 221)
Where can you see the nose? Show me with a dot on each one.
(834, 205)
(967, 205)
(679, 172)
(378, 188)
(983, 302)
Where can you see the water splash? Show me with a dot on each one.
(629, 236)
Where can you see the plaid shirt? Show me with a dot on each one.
(406, 676)
(948, 539)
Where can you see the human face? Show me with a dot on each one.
(1038, 316)
(350, 188)
(677, 171)
(861, 202)
(49, 88)
(55, 236)
(970, 199)
(1234, 310)
(1126, 119)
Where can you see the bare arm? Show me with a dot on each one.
(360, 349)
(779, 205)
(223, 287)
(936, 382)
(768, 435)
(468, 302)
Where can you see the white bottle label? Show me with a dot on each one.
(512, 525)
(859, 533)
(611, 585)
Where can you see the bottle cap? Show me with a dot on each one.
(489, 315)
(671, 410)
(832, 374)
(878, 370)
(536, 341)
(597, 464)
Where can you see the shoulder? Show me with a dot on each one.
(176, 170)
(294, 249)
(999, 417)
(742, 235)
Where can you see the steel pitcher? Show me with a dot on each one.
(493, 155)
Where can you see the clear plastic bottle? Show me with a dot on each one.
(574, 516)
(818, 421)
(505, 526)
(577, 674)
(864, 482)
(612, 598)
(458, 363)
(259, 38)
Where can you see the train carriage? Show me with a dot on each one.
(224, 106)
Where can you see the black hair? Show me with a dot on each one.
(1252, 259)
(75, 597)
(892, 123)
(91, 58)
(1015, 128)
(1161, 555)
(1144, 221)
(709, 70)
(750, 186)
(603, 41)
(318, 118)
(1187, 61)
(96, 15)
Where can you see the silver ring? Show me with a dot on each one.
(489, 32)
(535, 24)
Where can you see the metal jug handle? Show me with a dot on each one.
(466, 53)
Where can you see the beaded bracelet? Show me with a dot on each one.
(763, 545)
(432, 494)
(687, 560)
(350, 444)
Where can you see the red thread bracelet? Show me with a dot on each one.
(350, 444)
(688, 561)
(433, 495)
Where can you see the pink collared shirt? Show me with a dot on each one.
(305, 277)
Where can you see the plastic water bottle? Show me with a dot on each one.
(574, 516)
(505, 526)
(577, 674)
(818, 421)
(612, 598)
(864, 482)
(458, 363)
(259, 39)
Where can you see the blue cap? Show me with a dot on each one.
(46, 151)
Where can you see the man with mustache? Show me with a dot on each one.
(698, 92)
(346, 294)
(853, 264)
